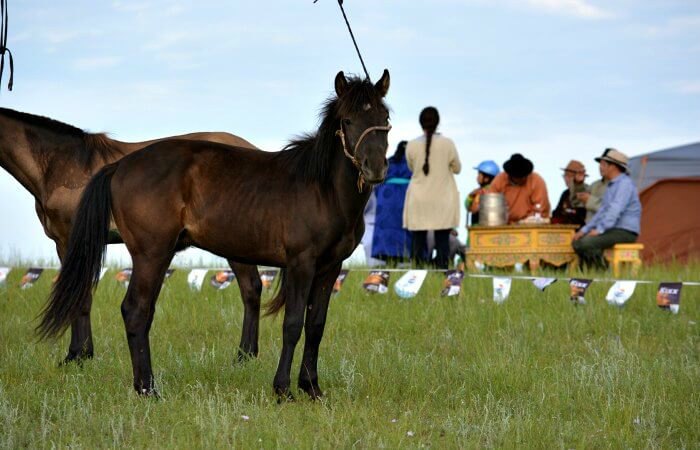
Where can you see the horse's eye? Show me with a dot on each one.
(346, 122)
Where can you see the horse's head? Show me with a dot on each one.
(364, 124)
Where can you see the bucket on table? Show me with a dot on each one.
(493, 210)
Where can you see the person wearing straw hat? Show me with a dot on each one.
(570, 209)
(525, 191)
(618, 219)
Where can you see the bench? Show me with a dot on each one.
(624, 254)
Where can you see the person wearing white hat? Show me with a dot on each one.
(618, 219)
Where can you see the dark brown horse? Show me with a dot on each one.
(54, 161)
(300, 209)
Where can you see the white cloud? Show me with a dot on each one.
(674, 26)
(577, 8)
(583, 9)
(101, 62)
(687, 87)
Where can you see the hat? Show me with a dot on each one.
(488, 167)
(616, 157)
(518, 166)
(575, 166)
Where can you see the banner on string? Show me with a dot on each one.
(4, 271)
(377, 282)
(620, 292)
(669, 296)
(30, 277)
(410, 283)
(338, 285)
(222, 279)
(543, 283)
(452, 285)
(195, 279)
(501, 289)
(267, 277)
(578, 287)
(124, 276)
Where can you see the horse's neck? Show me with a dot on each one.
(352, 201)
(17, 158)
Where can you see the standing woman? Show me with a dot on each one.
(392, 242)
(432, 199)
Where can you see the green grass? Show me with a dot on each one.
(439, 372)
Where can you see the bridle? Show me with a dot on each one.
(351, 157)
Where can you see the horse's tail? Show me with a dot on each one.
(80, 270)
(277, 303)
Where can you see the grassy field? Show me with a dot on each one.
(427, 372)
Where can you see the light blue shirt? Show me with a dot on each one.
(620, 208)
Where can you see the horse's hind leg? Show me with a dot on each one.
(251, 287)
(313, 329)
(80, 347)
(138, 308)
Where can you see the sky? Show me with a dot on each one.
(551, 79)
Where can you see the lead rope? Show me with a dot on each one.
(3, 45)
(340, 3)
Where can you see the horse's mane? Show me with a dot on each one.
(89, 145)
(310, 156)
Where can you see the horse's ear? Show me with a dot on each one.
(341, 83)
(383, 84)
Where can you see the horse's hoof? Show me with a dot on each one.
(77, 358)
(146, 392)
(312, 389)
(244, 356)
(283, 395)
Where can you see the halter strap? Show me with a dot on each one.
(351, 157)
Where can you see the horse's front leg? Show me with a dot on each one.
(297, 285)
(251, 287)
(317, 309)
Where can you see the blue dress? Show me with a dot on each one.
(390, 239)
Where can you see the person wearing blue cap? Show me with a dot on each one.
(486, 172)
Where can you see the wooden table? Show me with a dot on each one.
(507, 245)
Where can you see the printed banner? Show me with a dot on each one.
(409, 284)
(377, 282)
(543, 283)
(620, 292)
(124, 276)
(267, 277)
(578, 288)
(28, 279)
(501, 289)
(3, 274)
(669, 296)
(222, 279)
(339, 281)
(453, 283)
(195, 279)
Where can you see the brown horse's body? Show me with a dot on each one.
(299, 209)
(54, 161)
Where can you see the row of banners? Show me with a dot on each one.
(668, 295)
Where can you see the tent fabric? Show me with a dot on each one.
(676, 162)
(671, 220)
